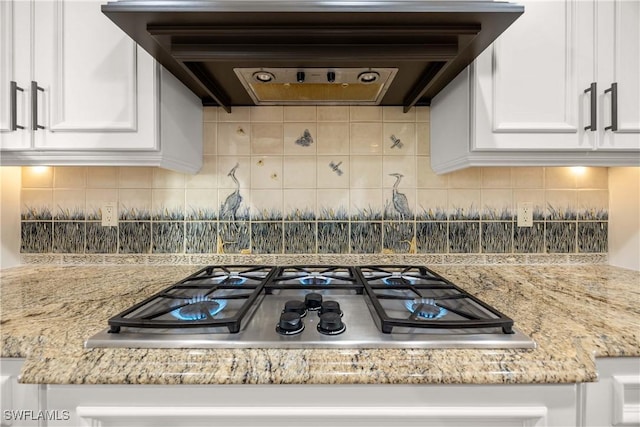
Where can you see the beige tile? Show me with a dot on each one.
(165, 178)
(266, 172)
(210, 114)
(36, 203)
(297, 201)
(299, 172)
(266, 138)
(98, 197)
(560, 204)
(267, 114)
(432, 203)
(497, 177)
(423, 114)
(332, 203)
(366, 172)
(69, 177)
(333, 113)
(390, 210)
(594, 178)
(238, 114)
(327, 177)
(207, 177)
(134, 203)
(426, 177)
(242, 172)
(266, 203)
(497, 203)
(37, 177)
(423, 139)
(397, 114)
(465, 178)
(405, 133)
(559, 178)
(210, 138)
(234, 138)
(201, 203)
(365, 202)
(333, 138)
(168, 204)
(527, 177)
(300, 114)
(406, 166)
(366, 138)
(300, 138)
(69, 204)
(464, 203)
(102, 177)
(592, 204)
(365, 114)
(135, 177)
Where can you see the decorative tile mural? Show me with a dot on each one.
(314, 180)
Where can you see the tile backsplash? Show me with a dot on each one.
(314, 180)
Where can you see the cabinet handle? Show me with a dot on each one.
(34, 106)
(593, 90)
(14, 88)
(614, 107)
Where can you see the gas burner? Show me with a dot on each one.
(315, 278)
(230, 279)
(424, 308)
(399, 279)
(199, 308)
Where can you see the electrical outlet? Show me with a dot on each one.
(109, 215)
(525, 214)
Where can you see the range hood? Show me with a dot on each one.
(297, 52)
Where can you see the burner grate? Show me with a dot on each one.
(215, 296)
(416, 297)
(316, 277)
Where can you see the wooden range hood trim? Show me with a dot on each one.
(399, 31)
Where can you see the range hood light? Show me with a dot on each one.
(368, 77)
(263, 76)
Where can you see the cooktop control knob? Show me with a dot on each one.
(330, 307)
(295, 306)
(313, 301)
(290, 324)
(331, 324)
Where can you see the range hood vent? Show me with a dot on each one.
(316, 86)
(215, 47)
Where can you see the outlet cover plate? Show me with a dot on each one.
(110, 215)
(525, 214)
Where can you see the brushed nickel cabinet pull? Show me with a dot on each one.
(13, 90)
(593, 89)
(34, 106)
(614, 107)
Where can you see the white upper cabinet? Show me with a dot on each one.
(619, 63)
(89, 94)
(537, 95)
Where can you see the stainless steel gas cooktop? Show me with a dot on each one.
(312, 307)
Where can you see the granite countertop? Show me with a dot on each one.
(572, 312)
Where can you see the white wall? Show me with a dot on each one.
(624, 217)
(10, 179)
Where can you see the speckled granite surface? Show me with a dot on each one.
(572, 312)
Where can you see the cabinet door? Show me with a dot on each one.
(528, 90)
(97, 88)
(619, 62)
(15, 24)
